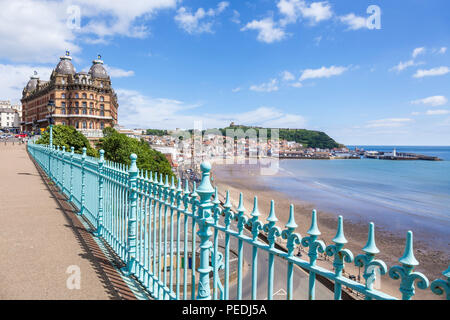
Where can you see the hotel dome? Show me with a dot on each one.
(65, 65)
(32, 83)
(98, 70)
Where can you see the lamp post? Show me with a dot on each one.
(51, 108)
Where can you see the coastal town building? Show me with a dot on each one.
(84, 100)
(10, 115)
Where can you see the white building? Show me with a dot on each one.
(9, 118)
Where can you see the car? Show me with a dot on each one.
(21, 135)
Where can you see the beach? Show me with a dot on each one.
(247, 179)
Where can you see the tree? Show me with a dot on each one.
(118, 148)
(69, 137)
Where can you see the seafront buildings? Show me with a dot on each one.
(10, 116)
(84, 100)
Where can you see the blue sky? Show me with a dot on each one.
(275, 63)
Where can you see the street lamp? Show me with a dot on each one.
(51, 108)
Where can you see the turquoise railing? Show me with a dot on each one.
(154, 225)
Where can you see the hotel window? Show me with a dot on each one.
(84, 125)
(91, 125)
(91, 96)
(76, 96)
(102, 125)
(102, 110)
(63, 108)
(91, 106)
(102, 98)
(63, 81)
(77, 125)
(84, 96)
(63, 95)
(63, 123)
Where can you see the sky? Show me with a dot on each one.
(365, 72)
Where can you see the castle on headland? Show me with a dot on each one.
(84, 100)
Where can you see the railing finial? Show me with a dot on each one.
(133, 167)
(340, 237)
(408, 257)
(371, 247)
(314, 229)
(291, 223)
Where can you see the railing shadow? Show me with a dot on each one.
(103, 267)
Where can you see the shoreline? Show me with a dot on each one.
(391, 245)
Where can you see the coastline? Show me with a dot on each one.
(238, 179)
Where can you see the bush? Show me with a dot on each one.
(118, 148)
(69, 137)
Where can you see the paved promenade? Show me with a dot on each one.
(41, 237)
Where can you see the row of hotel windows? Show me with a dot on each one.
(84, 110)
(84, 125)
(84, 96)
(83, 81)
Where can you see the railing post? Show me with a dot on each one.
(131, 241)
(57, 166)
(72, 151)
(83, 181)
(205, 191)
(100, 193)
(63, 168)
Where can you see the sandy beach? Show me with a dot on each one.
(246, 179)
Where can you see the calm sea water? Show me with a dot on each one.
(395, 195)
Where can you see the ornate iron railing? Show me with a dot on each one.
(154, 225)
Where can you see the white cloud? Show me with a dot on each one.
(139, 111)
(433, 101)
(13, 79)
(108, 18)
(292, 10)
(199, 22)
(34, 31)
(418, 51)
(118, 73)
(41, 30)
(270, 86)
(236, 17)
(403, 65)
(267, 30)
(236, 89)
(431, 72)
(322, 72)
(437, 112)
(415, 113)
(442, 50)
(287, 76)
(296, 85)
(388, 123)
(354, 22)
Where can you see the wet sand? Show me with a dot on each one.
(244, 178)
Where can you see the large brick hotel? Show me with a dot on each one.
(84, 100)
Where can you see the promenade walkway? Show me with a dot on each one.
(41, 238)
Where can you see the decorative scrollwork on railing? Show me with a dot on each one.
(314, 245)
(240, 217)
(229, 215)
(405, 272)
(273, 231)
(337, 250)
(368, 260)
(439, 286)
(293, 239)
(253, 222)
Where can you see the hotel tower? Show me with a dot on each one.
(84, 100)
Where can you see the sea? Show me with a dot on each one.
(396, 195)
